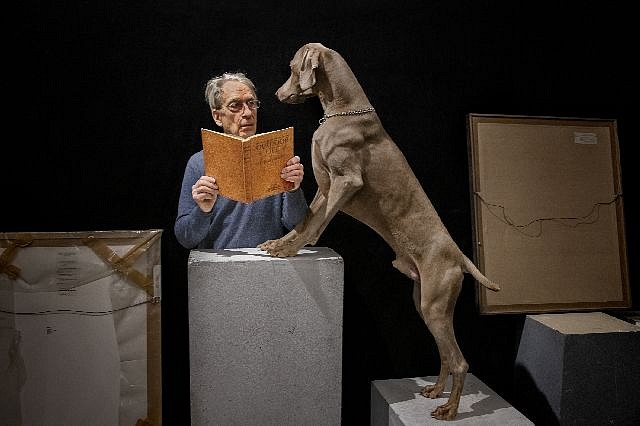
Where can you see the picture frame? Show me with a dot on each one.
(548, 214)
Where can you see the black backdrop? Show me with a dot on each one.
(106, 102)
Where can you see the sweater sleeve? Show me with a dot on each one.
(294, 208)
(192, 224)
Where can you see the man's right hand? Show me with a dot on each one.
(205, 193)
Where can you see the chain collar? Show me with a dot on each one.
(351, 112)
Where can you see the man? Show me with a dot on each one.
(208, 220)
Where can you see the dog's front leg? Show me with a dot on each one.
(342, 188)
(290, 238)
(321, 211)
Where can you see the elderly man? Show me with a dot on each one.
(209, 220)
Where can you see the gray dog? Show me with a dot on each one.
(360, 171)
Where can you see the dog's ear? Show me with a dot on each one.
(310, 61)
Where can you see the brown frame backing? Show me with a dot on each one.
(547, 213)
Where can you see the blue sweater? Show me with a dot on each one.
(231, 224)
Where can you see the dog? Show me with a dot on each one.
(360, 171)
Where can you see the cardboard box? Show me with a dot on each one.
(80, 328)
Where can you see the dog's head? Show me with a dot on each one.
(300, 84)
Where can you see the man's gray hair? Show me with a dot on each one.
(213, 89)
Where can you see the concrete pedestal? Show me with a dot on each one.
(265, 337)
(397, 402)
(579, 368)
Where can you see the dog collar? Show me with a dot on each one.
(351, 112)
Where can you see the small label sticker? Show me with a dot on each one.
(585, 138)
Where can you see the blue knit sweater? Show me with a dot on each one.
(232, 224)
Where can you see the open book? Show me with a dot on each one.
(248, 169)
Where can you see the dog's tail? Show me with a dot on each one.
(473, 270)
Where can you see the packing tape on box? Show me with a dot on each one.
(124, 264)
(7, 256)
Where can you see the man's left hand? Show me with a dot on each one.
(293, 172)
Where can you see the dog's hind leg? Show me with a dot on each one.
(440, 288)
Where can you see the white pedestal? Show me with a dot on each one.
(265, 337)
(397, 402)
(579, 368)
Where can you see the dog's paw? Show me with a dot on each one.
(279, 248)
(283, 250)
(283, 253)
(447, 411)
(267, 245)
(432, 391)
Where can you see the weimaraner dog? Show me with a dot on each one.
(360, 171)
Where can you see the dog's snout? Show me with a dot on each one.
(289, 92)
(280, 94)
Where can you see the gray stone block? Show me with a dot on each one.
(397, 402)
(578, 368)
(265, 337)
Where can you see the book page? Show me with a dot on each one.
(269, 154)
(223, 161)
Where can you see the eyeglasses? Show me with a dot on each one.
(237, 106)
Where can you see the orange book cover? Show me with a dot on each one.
(248, 169)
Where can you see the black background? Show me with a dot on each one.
(105, 102)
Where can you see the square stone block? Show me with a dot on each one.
(397, 402)
(265, 337)
(579, 368)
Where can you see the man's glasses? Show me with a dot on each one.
(237, 106)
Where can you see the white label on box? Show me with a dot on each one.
(585, 138)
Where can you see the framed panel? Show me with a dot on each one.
(548, 213)
(80, 323)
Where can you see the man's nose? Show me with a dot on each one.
(245, 109)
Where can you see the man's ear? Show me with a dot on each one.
(216, 117)
(310, 62)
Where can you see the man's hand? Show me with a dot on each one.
(205, 193)
(293, 172)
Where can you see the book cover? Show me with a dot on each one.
(248, 169)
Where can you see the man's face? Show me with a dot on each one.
(242, 123)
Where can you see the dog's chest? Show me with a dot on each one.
(321, 169)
